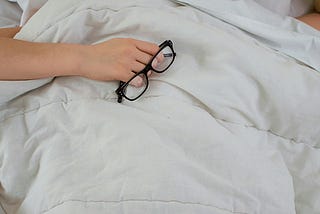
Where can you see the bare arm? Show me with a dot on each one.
(9, 32)
(115, 59)
(312, 19)
(20, 60)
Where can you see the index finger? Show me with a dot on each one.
(147, 47)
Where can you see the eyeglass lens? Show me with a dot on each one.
(138, 85)
(163, 60)
(132, 92)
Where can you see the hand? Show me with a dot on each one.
(116, 59)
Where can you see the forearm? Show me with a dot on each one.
(115, 59)
(20, 60)
(9, 32)
(312, 19)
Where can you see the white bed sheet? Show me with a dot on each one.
(281, 33)
(232, 127)
(294, 8)
(10, 14)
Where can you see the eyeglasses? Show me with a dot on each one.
(159, 63)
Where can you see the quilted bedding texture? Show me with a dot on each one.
(232, 127)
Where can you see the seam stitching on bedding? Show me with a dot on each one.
(142, 200)
(34, 109)
(75, 11)
(267, 131)
(291, 140)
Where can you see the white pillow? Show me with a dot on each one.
(292, 8)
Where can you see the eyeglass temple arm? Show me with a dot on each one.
(119, 93)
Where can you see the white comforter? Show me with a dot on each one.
(232, 127)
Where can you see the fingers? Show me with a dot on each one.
(138, 81)
(147, 47)
(118, 59)
(138, 66)
(157, 61)
(143, 57)
(160, 57)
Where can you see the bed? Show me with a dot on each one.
(10, 14)
(231, 127)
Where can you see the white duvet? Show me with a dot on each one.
(232, 127)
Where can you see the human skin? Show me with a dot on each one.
(312, 19)
(115, 59)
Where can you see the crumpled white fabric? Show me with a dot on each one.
(28, 8)
(10, 14)
(282, 33)
(231, 127)
(294, 8)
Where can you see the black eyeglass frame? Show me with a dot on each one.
(123, 85)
